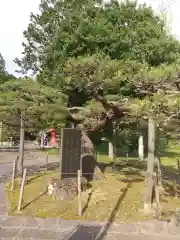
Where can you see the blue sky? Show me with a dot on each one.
(14, 18)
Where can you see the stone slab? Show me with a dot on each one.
(3, 198)
(121, 236)
(8, 233)
(124, 228)
(3, 210)
(67, 225)
(48, 223)
(42, 234)
(31, 223)
(174, 224)
(155, 227)
(13, 222)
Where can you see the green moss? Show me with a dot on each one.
(107, 194)
(119, 197)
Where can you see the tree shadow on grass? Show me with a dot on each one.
(137, 169)
(35, 199)
(118, 166)
(170, 190)
(98, 232)
(105, 229)
(170, 173)
(133, 170)
(87, 203)
(36, 171)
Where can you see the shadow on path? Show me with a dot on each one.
(84, 232)
(97, 232)
(104, 231)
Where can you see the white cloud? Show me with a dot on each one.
(14, 18)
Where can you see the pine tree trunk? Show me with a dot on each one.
(90, 170)
(141, 147)
(42, 141)
(159, 170)
(98, 175)
(21, 146)
(150, 165)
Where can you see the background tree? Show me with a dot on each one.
(115, 61)
(25, 103)
(2, 64)
(66, 29)
(4, 75)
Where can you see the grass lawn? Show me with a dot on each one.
(51, 151)
(110, 196)
(117, 198)
(169, 155)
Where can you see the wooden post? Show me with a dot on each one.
(114, 144)
(14, 172)
(175, 188)
(159, 172)
(178, 166)
(79, 194)
(47, 156)
(141, 147)
(61, 153)
(111, 150)
(150, 165)
(1, 133)
(158, 206)
(21, 145)
(21, 190)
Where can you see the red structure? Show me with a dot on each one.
(53, 138)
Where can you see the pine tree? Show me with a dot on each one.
(25, 103)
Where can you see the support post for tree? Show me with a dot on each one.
(111, 150)
(1, 133)
(46, 162)
(112, 144)
(21, 190)
(141, 147)
(175, 188)
(21, 146)
(178, 166)
(79, 193)
(42, 140)
(158, 206)
(14, 172)
(150, 165)
(159, 171)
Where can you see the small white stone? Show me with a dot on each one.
(50, 189)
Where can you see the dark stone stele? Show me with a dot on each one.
(77, 153)
(70, 152)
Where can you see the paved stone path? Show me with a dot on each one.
(3, 202)
(56, 228)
